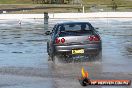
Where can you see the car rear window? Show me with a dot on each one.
(75, 29)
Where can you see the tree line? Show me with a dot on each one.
(39, 1)
(50, 1)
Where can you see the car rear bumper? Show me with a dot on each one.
(88, 48)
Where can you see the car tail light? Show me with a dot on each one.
(90, 38)
(57, 40)
(62, 40)
(96, 38)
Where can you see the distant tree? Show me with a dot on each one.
(43, 1)
(33, 1)
(52, 1)
(37, 1)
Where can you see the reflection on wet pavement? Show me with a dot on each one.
(23, 53)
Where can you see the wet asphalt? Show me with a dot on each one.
(24, 60)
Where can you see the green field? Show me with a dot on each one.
(120, 2)
(106, 5)
(15, 1)
(107, 1)
(126, 3)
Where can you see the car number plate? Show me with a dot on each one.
(78, 51)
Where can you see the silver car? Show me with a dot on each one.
(73, 39)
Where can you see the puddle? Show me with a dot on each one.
(23, 51)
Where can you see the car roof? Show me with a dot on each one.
(64, 23)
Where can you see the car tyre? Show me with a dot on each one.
(48, 48)
(99, 56)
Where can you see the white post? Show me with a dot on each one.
(83, 9)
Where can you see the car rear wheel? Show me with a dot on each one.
(48, 48)
(99, 56)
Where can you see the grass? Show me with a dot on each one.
(123, 5)
(107, 1)
(15, 1)
(127, 3)
(84, 2)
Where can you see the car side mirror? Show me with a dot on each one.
(96, 28)
(48, 32)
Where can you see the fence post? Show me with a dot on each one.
(46, 18)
